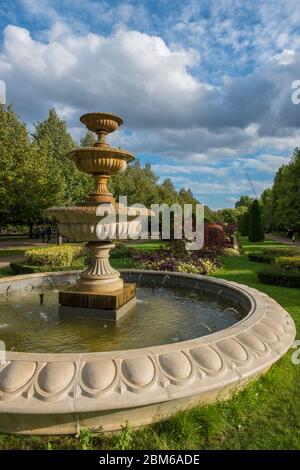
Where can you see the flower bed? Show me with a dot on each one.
(198, 262)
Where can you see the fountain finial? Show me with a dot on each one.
(102, 124)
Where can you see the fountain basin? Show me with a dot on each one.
(56, 393)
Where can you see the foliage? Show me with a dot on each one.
(231, 216)
(281, 251)
(188, 261)
(281, 203)
(23, 268)
(260, 257)
(288, 263)
(244, 224)
(244, 201)
(125, 438)
(256, 230)
(276, 275)
(36, 173)
(230, 252)
(214, 236)
(122, 250)
(85, 438)
(62, 255)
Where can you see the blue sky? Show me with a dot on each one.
(204, 87)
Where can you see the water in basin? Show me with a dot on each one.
(161, 316)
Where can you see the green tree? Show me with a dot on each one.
(14, 147)
(266, 201)
(244, 225)
(88, 140)
(256, 229)
(53, 138)
(244, 201)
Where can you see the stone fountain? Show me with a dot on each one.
(100, 289)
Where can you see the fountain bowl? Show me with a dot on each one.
(105, 122)
(110, 161)
(57, 393)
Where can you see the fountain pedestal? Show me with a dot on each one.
(100, 290)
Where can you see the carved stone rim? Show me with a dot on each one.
(111, 116)
(103, 153)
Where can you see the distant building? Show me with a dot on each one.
(2, 92)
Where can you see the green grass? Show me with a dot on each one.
(265, 415)
(148, 245)
(5, 271)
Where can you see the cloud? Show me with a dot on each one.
(204, 88)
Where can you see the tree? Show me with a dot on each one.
(14, 147)
(245, 201)
(88, 140)
(266, 202)
(244, 226)
(256, 229)
(52, 136)
(231, 215)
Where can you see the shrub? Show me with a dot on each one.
(256, 229)
(122, 250)
(167, 261)
(275, 275)
(231, 252)
(244, 226)
(288, 263)
(281, 251)
(260, 257)
(22, 268)
(214, 236)
(269, 255)
(62, 255)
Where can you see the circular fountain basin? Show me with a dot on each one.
(150, 375)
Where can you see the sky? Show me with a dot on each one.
(204, 87)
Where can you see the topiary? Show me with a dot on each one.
(256, 229)
(244, 228)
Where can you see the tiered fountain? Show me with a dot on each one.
(100, 290)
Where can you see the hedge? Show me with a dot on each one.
(260, 257)
(288, 263)
(269, 255)
(278, 251)
(54, 256)
(275, 275)
(122, 250)
(23, 268)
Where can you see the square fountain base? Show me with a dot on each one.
(109, 307)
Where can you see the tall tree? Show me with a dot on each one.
(14, 147)
(52, 136)
(244, 201)
(88, 140)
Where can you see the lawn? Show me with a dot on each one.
(265, 415)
